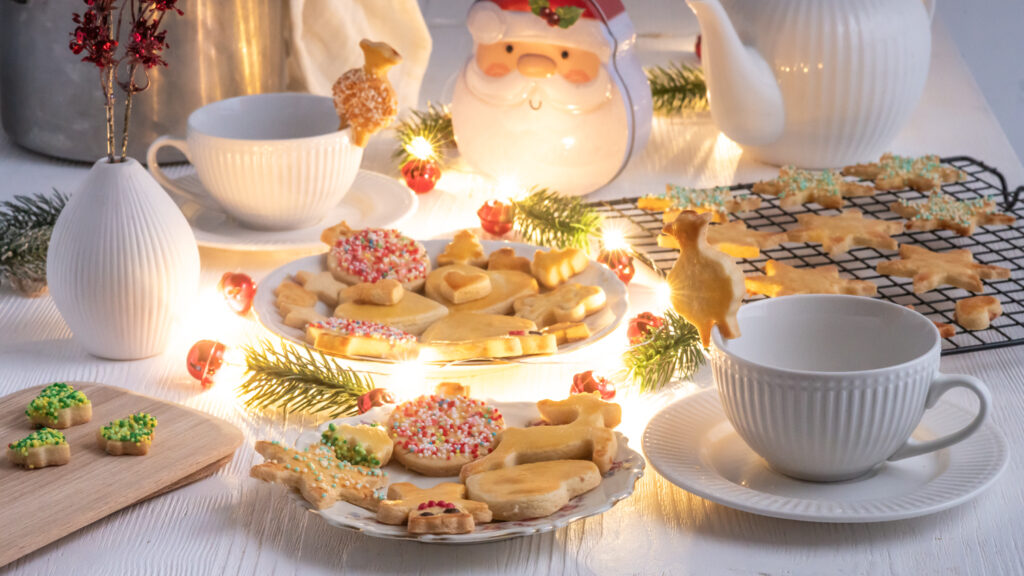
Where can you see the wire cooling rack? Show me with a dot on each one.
(999, 245)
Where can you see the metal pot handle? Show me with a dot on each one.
(158, 174)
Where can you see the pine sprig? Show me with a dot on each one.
(549, 219)
(298, 379)
(677, 87)
(434, 124)
(26, 223)
(672, 351)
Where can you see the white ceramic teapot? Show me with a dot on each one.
(814, 83)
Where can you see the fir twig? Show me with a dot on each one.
(677, 87)
(672, 351)
(549, 219)
(26, 223)
(298, 379)
(434, 124)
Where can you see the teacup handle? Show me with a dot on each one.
(942, 384)
(158, 173)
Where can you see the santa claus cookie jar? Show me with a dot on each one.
(553, 95)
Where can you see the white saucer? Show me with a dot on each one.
(693, 445)
(374, 201)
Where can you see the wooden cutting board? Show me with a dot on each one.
(43, 505)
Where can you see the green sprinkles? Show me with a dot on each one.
(943, 207)
(351, 452)
(135, 428)
(717, 197)
(793, 179)
(38, 439)
(54, 398)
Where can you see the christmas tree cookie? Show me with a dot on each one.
(59, 406)
(42, 448)
(132, 435)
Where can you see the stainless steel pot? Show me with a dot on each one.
(52, 103)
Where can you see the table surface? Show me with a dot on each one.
(232, 524)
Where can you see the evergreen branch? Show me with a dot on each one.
(677, 87)
(670, 352)
(549, 219)
(300, 379)
(26, 223)
(434, 124)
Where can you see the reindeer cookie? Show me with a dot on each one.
(443, 509)
(363, 97)
(320, 476)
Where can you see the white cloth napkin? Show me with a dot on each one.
(325, 43)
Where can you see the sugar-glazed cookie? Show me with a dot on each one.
(375, 254)
(436, 435)
(59, 406)
(42, 448)
(128, 436)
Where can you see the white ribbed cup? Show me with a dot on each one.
(826, 388)
(122, 264)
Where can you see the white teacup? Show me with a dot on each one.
(272, 161)
(826, 388)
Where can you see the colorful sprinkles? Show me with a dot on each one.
(366, 329)
(943, 207)
(793, 180)
(719, 198)
(54, 398)
(443, 427)
(38, 439)
(136, 429)
(352, 452)
(376, 254)
(329, 473)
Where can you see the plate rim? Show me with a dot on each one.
(690, 482)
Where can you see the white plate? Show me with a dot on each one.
(374, 201)
(693, 445)
(600, 323)
(616, 485)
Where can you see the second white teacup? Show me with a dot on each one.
(826, 388)
(272, 161)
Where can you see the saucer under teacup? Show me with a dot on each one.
(692, 444)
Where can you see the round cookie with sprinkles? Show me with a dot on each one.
(437, 435)
(376, 254)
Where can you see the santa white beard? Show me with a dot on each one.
(546, 132)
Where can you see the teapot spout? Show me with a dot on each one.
(745, 99)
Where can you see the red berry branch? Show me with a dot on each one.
(96, 36)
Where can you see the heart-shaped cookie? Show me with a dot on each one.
(506, 287)
(458, 286)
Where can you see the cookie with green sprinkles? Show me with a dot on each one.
(942, 211)
(795, 187)
(42, 448)
(362, 445)
(59, 406)
(128, 436)
(893, 172)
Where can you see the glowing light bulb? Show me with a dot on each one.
(420, 148)
(614, 238)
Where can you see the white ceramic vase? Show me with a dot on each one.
(122, 265)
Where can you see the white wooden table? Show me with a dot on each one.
(231, 524)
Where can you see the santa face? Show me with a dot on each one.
(541, 114)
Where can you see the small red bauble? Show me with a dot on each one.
(375, 397)
(620, 262)
(696, 48)
(641, 326)
(238, 290)
(496, 217)
(204, 359)
(421, 175)
(586, 382)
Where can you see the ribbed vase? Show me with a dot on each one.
(122, 266)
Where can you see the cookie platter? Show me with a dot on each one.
(599, 324)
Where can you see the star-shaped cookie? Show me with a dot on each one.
(442, 509)
(837, 234)
(719, 201)
(319, 475)
(782, 280)
(942, 211)
(734, 238)
(893, 172)
(933, 269)
(795, 187)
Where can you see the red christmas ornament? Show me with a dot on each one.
(696, 48)
(641, 326)
(421, 175)
(204, 359)
(619, 261)
(496, 217)
(586, 382)
(238, 290)
(375, 397)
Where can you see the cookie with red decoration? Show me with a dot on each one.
(345, 337)
(443, 509)
(376, 254)
(436, 435)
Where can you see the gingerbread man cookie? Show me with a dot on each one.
(570, 302)
(933, 269)
(838, 234)
(555, 267)
(782, 280)
(978, 312)
(42, 448)
(795, 187)
(706, 285)
(319, 476)
(443, 509)
(942, 211)
(363, 97)
(506, 259)
(59, 406)
(533, 490)
(894, 172)
(465, 248)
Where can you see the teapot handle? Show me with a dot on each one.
(929, 6)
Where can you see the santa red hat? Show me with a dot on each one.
(491, 21)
